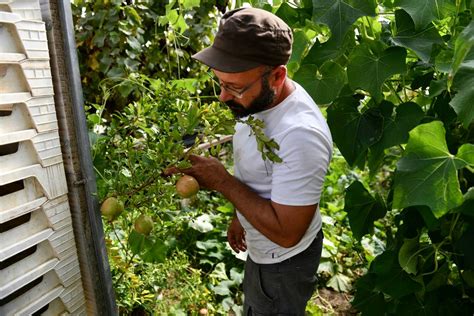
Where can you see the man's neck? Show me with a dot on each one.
(287, 88)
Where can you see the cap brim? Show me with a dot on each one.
(222, 61)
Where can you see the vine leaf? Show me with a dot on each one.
(324, 84)
(462, 47)
(362, 209)
(370, 65)
(425, 11)
(300, 44)
(391, 278)
(338, 15)
(463, 101)
(366, 299)
(407, 255)
(396, 129)
(426, 174)
(421, 42)
(354, 132)
(340, 283)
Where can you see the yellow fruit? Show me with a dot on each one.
(187, 186)
(144, 224)
(111, 208)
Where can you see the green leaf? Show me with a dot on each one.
(467, 207)
(426, 175)
(424, 12)
(136, 242)
(462, 47)
(362, 209)
(323, 85)
(396, 129)
(391, 278)
(219, 272)
(340, 283)
(421, 42)
(370, 65)
(354, 132)
(408, 255)
(288, 14)
(439, 279)
(156, 252)
(223, 288)
(338, 15)
(189, 4)
(329, 50)
(468, 277)
(301, 43)
(463, 101)
(367, 299)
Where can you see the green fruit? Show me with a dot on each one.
(187, 186)
(111, 208)
(144, 224)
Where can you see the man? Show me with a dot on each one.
(277, 218)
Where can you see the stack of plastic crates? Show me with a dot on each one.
(39, 268)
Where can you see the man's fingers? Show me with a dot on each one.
(170, 171)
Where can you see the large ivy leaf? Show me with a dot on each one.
(396, 129)
(424, 12)
(370, 65)
(338, 15)
(391, 278)
(462, 47)
(366, 299)
(352, 131)
(408, 255)
(463, 101)
(329, 50)
(300, 43)
(324, 84)
(362, 209)
(340, 283)
(426, 175)
(421, 42)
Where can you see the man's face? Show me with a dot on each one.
(260, 103)
(257, 96)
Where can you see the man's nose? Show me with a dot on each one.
(225, 96)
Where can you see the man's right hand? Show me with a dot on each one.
(236, 235)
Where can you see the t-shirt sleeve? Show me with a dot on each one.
(299, 179)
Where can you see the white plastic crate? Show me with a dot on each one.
(55, 308)
(22, 111)
(42, 149)
(51, 179)
(19, 198)
(41, 294)
(25, 235)
(27, 37)
(26, 76)
(22, 272)
(27, 9)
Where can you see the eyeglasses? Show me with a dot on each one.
(240, 92)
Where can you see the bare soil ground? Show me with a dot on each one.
(334, 303)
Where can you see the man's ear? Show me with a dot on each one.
(279, 75)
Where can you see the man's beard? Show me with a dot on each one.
(261, 102)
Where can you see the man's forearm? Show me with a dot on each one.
(258, 211)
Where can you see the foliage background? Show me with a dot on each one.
(395, 78)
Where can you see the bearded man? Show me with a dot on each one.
(277, 216)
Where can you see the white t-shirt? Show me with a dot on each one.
(305, 141)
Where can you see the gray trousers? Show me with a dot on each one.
(282, 288)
